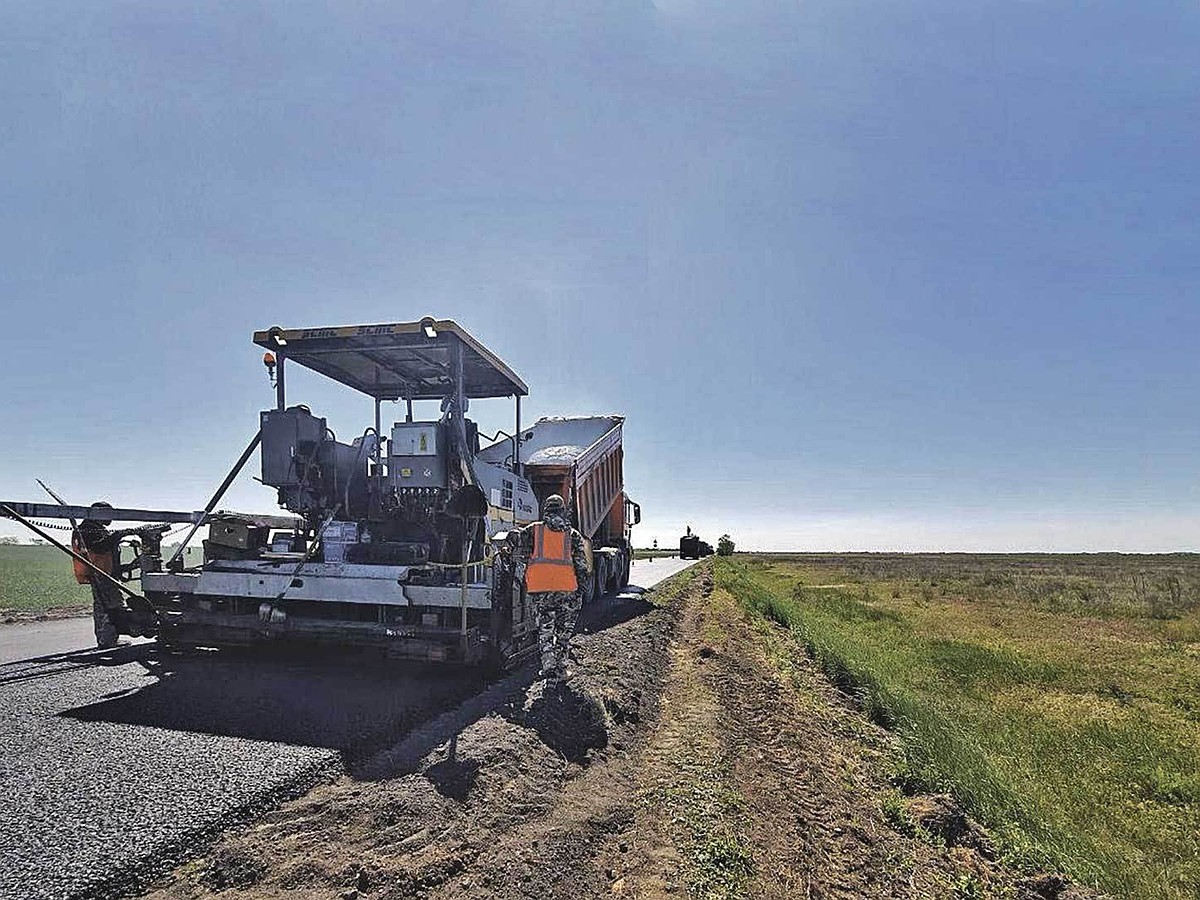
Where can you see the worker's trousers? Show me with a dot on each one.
(557, 612)
(106, 610)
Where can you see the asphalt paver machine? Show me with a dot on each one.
(402, 538)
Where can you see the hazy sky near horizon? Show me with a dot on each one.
(861, 275)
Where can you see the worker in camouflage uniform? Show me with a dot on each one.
(554, 564)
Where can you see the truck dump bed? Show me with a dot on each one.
(579, 457)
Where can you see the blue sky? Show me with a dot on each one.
(861, 276)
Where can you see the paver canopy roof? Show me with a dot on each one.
(402, 359)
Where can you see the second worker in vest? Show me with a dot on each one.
(555, 566)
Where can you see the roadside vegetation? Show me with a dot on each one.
(36, 579)
(1057, 696)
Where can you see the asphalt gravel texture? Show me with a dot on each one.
(115, 765)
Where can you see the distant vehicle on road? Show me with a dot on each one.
(691, 547)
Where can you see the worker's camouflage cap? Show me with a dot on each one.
(554, 503)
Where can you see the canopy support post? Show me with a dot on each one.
(378, 453)
(517, 442)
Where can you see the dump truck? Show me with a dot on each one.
(401, 539)
(691, 547)
(581, 459)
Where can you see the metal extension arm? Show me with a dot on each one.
(216, 498)
(17, 508)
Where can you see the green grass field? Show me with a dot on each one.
(1058, 696)
(34, 579)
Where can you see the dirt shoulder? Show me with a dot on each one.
(50, 613)
(761, 780)
(689, 760)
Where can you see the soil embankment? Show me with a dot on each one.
(688, 761)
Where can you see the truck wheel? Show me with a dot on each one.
(625, 573)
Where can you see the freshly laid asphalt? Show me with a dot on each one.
(115, 764)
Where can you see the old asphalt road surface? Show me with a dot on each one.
(115, 764)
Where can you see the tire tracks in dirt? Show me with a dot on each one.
(765, 785)
(801, 762)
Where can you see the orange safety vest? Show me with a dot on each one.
(551, 567)
(83, 575)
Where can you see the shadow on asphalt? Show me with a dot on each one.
(339, 702)
(37, 667)
(346, 705)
